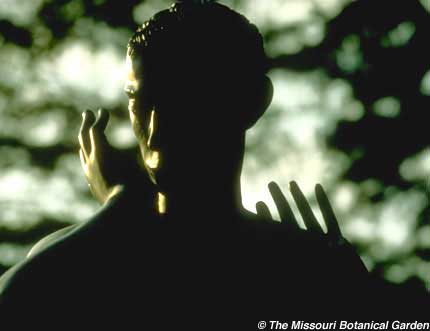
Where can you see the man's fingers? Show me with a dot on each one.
(102, 120)
(282, 205)
(97, 136)
(333, 229)
(262, 210)
(84, 136)
(305, 210)
(98, 141)
(83, 161)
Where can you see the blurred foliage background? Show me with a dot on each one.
(352, 89)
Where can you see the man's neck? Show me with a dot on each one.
(213, 193)
(199, 203)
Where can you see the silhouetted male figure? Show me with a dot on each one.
(196, 82)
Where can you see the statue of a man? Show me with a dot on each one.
(172, 240)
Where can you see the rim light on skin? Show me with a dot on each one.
(150, 158)
(132, 85)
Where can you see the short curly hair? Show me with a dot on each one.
(204, 42)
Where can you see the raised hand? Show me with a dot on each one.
(288, 218)
(107, 169)
(333, 237)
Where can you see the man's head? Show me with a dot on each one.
(196, 82)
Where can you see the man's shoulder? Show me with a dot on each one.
(12, 276)
(52, 256)
(265, 229)
(51, 247)
(45, 242)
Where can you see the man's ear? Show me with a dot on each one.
(263, 99)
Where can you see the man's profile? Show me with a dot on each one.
(196, 82)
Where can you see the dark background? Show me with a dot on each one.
(352, 89)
